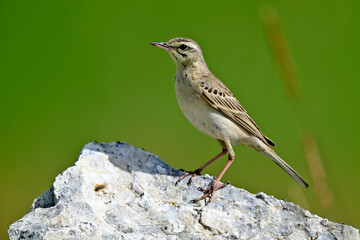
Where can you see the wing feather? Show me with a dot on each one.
(220, 97)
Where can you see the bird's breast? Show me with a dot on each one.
(204, 117)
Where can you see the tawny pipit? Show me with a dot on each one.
(210, 106)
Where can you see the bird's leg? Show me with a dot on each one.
(198, 171)
(209, 193)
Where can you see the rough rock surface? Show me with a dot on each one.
(118, 191)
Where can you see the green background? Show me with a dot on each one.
(76, 71)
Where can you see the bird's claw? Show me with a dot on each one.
(209, 193)
(192, 173)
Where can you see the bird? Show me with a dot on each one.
(214, 110)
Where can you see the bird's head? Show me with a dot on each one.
(184, 51)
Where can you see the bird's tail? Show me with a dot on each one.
(273, 156)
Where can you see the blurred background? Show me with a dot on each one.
(72, 72)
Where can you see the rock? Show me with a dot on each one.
(118, 191)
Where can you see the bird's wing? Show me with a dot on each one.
(221, 98)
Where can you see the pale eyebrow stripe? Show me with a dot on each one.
(193, 45)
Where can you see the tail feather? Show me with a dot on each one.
(273, 156)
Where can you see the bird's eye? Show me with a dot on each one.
(183, 47)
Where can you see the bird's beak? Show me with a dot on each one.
(162, 45)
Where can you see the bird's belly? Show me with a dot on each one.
(209, 120)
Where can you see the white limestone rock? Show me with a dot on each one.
(118, 191)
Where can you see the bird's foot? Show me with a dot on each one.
(192, 173)
(209, 193)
